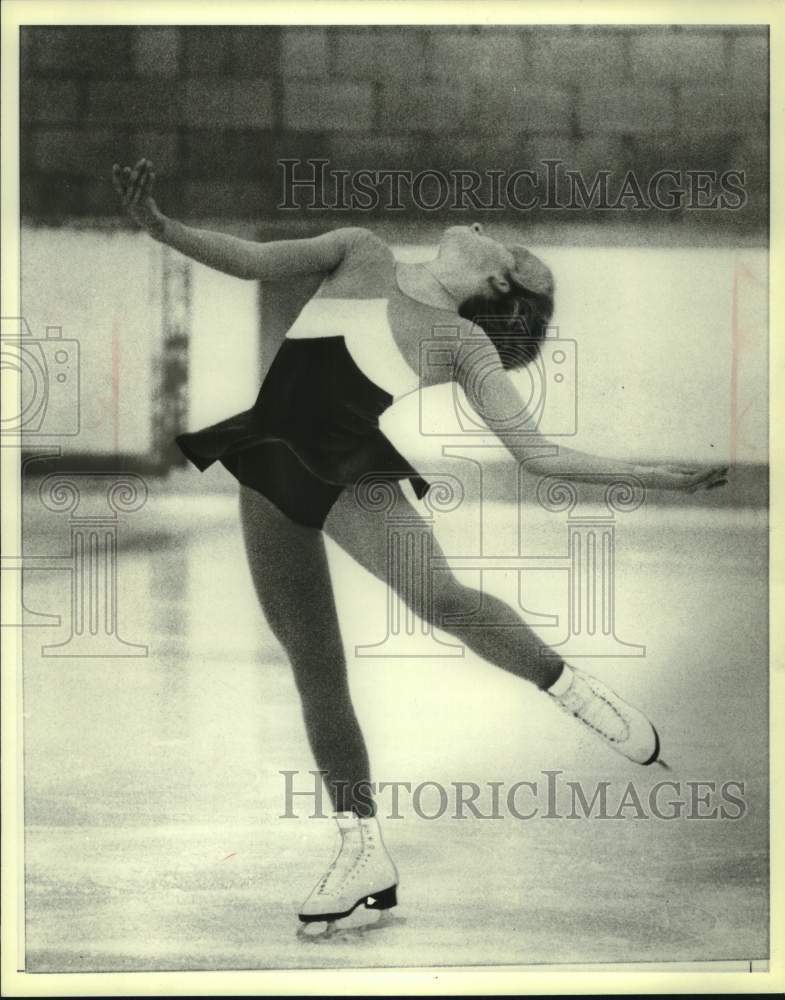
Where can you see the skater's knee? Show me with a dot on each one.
(450, 597)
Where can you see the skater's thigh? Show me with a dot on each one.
(362, 533)
(291, 576)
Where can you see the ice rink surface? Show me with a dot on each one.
(154, 795)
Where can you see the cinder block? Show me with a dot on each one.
(669, 56)
(327, 106)
(26, 51)
(206, 49)
(296, 146)
(255, 50)
(60, 198)
(535, 150)
(380, 53)
(488, 54)
(160, 147)
(83, 50)
(304, 52)
(568, 57)
(221, 199)
(638, 110)
(226, 153)
(45, 100)
(686, 151)
(31, 190)
(600, 152)
(100, 199)
(244, 103)
(348, 151)
(76, 151)
(252, 153)
(207, 153)
(141, 102)
(438, 107)
(750, 61)
(752, 156)
(708, 111)
(156, 51)
(523, 107)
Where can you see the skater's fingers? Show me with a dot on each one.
(138, 187)
(717, 478)
(117, 179)
(118, 176)
(126, 180)
(703, 477)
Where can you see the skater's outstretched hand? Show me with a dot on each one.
(135, 188)
(686, 478)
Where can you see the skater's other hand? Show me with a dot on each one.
(135, 189)
(685, 478)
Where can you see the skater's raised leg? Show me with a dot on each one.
(503, 638)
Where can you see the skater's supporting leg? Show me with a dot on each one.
(289, 569)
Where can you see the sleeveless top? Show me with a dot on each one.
(337, 370)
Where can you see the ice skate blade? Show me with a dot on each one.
(655, 757)
(383, 900)
(310, 933)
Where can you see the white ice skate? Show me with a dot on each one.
(624, 727)
(362, 872)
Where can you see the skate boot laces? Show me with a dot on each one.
(595, 705)
(359, 850)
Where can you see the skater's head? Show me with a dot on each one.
(507, 290)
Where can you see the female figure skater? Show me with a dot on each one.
(314, 431)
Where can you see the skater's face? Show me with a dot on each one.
(476, 258)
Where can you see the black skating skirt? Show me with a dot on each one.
(312, 432)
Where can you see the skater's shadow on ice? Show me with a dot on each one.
(335, 931)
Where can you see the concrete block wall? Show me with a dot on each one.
(215, 107)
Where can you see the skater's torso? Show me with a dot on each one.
(354, 348)
(385, 331)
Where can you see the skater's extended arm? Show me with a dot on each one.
(494, 396)
(240, 258)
